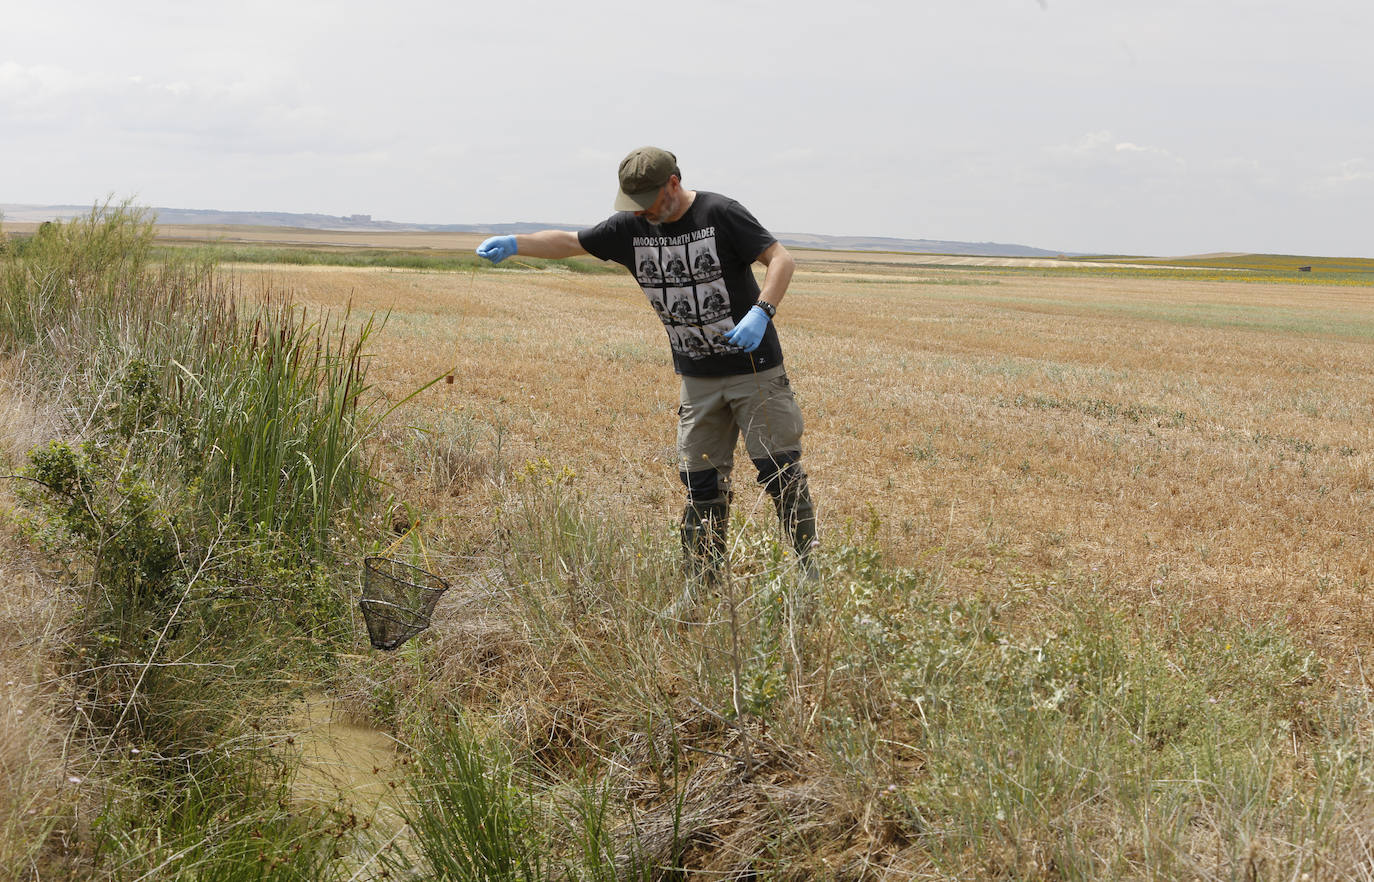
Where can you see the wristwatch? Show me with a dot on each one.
(768, 309)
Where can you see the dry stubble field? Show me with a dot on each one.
(1208, 441)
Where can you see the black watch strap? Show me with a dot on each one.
(769, 309)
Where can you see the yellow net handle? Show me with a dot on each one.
(424, 554)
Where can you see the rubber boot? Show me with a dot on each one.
(797, 514)
(703, 529)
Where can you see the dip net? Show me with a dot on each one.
(398, 600)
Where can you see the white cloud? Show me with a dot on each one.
(1090, 143)
(1103, 145)
(1350, 171)
(1128, 147)
(1242, 165)
(200, 116)
(34, 85)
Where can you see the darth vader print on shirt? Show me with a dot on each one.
(682, 277)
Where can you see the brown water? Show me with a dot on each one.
(342, 761)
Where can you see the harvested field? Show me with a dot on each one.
(1203, 439)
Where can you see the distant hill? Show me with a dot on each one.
(915, 246)
(362, 222)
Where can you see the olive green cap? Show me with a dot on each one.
(642, 174)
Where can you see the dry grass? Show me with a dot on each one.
(37, 790)
(39, 783)
(1203, 439)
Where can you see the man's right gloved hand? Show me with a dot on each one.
(497, 248)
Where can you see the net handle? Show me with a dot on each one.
(403, 537)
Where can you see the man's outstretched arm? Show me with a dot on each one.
(545, 243)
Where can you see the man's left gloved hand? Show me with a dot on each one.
(749, 332)
(497, 248)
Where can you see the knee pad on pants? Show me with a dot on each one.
(779, 471)
(703, 486)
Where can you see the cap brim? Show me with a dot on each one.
(636, 201)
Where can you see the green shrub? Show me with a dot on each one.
(110, 505)
(95, 261)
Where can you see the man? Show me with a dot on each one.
(687, 248)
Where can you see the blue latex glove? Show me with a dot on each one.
(749, 332)
(497, 248)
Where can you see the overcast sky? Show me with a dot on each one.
(1166, 127)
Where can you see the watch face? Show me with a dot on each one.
(767, 307)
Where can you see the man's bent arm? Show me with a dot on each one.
(778, 275)
(549, 243)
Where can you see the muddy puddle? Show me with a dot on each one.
(342, 761)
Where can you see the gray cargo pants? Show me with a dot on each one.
(713, 412)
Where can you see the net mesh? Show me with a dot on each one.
(397, 601)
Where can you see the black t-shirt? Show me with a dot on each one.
(696, 272)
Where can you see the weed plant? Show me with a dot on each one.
(212, 445)
(89, 265)
(276, 421)
(1104, 745)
